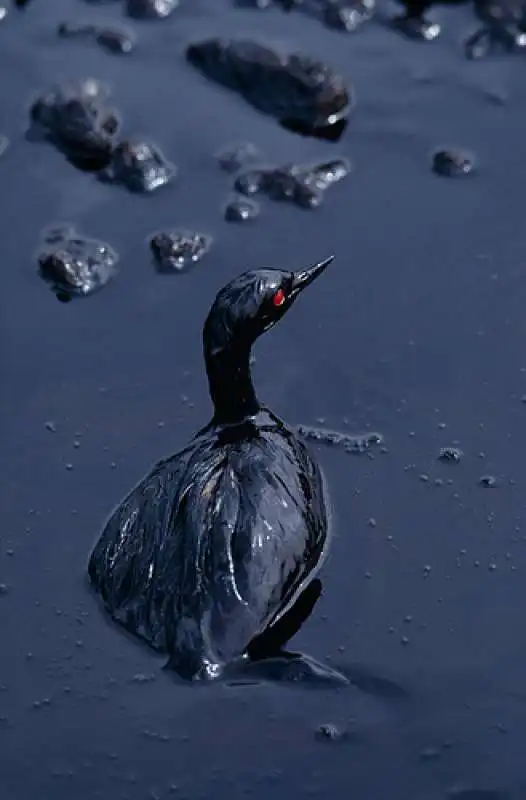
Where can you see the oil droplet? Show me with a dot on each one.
(488, 481)
(450, 454)
(330, 732)
(453, 163)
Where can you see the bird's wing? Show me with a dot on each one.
(267, 531)
(210, 547)
(140, 537)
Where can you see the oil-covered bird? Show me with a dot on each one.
(213, 554)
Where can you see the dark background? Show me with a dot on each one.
(417, 331)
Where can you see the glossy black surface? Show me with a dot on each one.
(241, 209)
(220, 539)
(417, 332)
(77, 119)
(504, 24)
(453, 163)
(75, 266)
(341, 15)
(296, 89)
(301, 184)
(176, 250)
(138, 165)
(151, 9)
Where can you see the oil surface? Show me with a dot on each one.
(419, 334)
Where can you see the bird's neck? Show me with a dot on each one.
(230, 382)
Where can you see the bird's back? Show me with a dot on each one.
(215, 543)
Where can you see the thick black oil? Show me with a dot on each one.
(418, 335)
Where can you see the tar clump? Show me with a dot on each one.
(302, 93)
(301, 184)
(241, 209)
(503, 25)
(176, 250)
(140, 166)
(151, 9)
(75, 266)
(340, 15)
(77, 119)
(453, 163)
(450, 455)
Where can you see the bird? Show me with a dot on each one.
(213, 557)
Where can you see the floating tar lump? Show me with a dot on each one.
(453, 163)
(77, 119)
(73, 265)
(503, 27)
(176, 250)
(140, 166)
(302, 93)
(504, 24)
(301, 184)
(450, 454)
(342, 15)
(241, 209)
(151, 9)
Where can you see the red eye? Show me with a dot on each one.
(279, 298)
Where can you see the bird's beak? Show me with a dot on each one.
(307, 276)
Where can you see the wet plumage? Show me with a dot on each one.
(218, 541)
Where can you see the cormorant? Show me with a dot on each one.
(214, 552)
